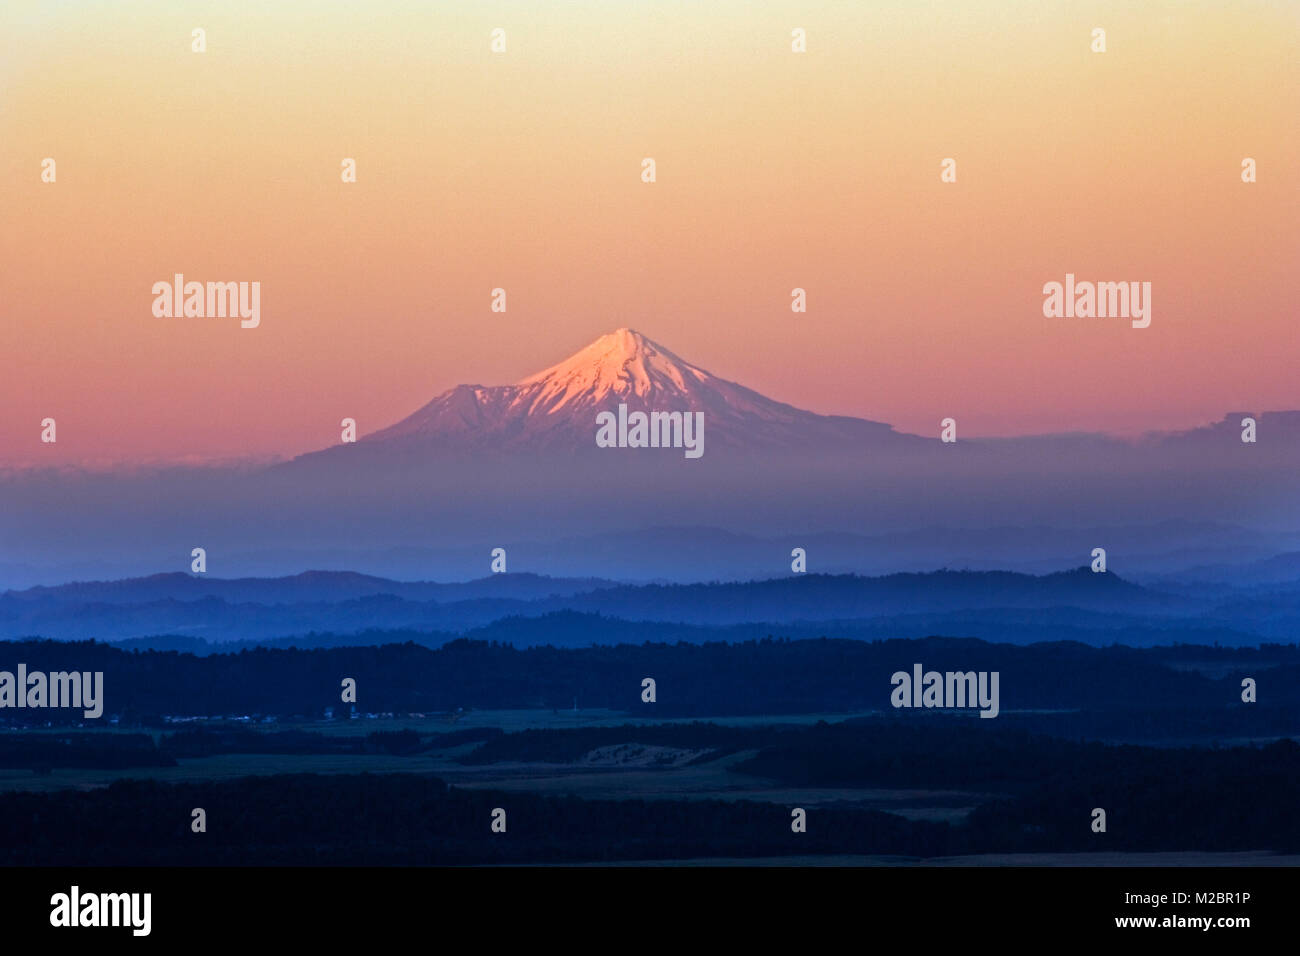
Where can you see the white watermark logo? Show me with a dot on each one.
(652, 430)
(1101, 300)
(56, 689)
(950, 689)
(103, 909)
(198, 300)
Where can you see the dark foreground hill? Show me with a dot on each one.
(1176, 687)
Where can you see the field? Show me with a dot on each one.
(625, 771)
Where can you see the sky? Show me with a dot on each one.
(522, 170)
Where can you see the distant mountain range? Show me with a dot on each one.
(1172, 555)
(327, 587)
(992, 604)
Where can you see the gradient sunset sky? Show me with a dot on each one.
(522, 170)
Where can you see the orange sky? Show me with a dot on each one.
(521, 170)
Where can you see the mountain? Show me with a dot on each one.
(551, 415)
(517, 467)
(556, 408)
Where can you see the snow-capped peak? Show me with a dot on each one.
(619, 364)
